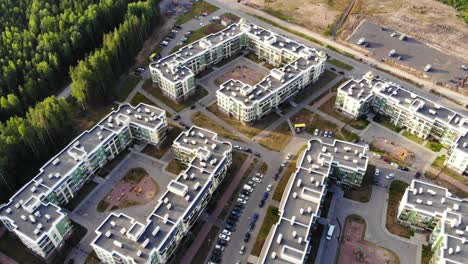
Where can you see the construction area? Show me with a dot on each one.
(355, 250)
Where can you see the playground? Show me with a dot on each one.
(393, 149)
(355, 250)
(136, 188)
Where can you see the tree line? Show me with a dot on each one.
(41, 39)
(27, 141)
(94, 77)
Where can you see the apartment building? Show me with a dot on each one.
(34, 215)
(428, 207)
(122, 239)
(175, 74)
(458, 155)
(301, 204)
(418, 115)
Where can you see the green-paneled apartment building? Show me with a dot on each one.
(34, 215)
(123, 240)
(418, 115)
(298, 66)
(301, 204)
(428, 207)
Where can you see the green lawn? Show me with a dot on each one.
(140, 98)
(271, 217)
(158, 152)
(326, 78)
(438, 164)
(412, 137)
(158, 94)
(333, 89)
(328, 107)
(263, 168)
(340, 64)
(434, 145)
(426, 254)
(397, 189)
(202, 120)
(127, 86)
(386, 122)
(197, 9)
(277, 139)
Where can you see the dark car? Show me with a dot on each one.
(245, 192)
(251, 226)
(276, 176)
(240, 205)
(333, 69)
(178, 27)
(217, 252)
(247, 237)
(192, 107)
(233, 217)
(222, 242)
(230, 227)
(176, 117)
(341, 72)
(265, 196)
(262, 203)
(280, 169)
(258, 154)
(236, 213)
(254, 217)
(215, 258)
(404, 168)
(230, 223)
(417, 175)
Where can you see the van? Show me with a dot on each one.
(248, 188)
(331, 229)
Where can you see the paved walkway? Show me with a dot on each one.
(4, 259)
(201, 237)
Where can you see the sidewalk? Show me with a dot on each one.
(201, 237)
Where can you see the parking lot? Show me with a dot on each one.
(409, 52)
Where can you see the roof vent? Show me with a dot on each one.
(123, 230)
(138, 253)
(169, 206)
(118, 244)
(155, 231)
(108, 234)
(279, 238)
(294, 195)
(112, 223)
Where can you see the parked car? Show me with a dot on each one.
(394, 164)
(236, 213)
(251, 226)
(390, 176)
(268, 188)
(222, 242)
(261, 204)
(404, 168)
(377, 172)
(226, 232)
(192, 107)
(257, 180)
(219, 247)
(230, 223)
(242, 201)
(254, 217)
(316, 132)
(178, 27)
(242, 250)
(258, 154)
(289, 156)
(223, 236)
(176, 117)
(251, 183)
(265, 196)
(215, 258)
(259, 175)
(247, 237)
(217, 252)
(276, 176)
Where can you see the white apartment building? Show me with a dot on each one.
(300, 206)
(34, 214)
(418, 115)
(175, 74)
(121, 239)
(425, 206)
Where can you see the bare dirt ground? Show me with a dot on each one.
(126, 194)
(395, 150)
(354, 249)
(429, 21)
(241, 73)
(315, 15)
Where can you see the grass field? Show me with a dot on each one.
(248, 130)
(327, 77)
(135, 175)
(263, 168)
(127, 86)
(140, 98)
(397, 189)
(412, 137)
(158, 94)
(434, 145)
(158, 152)
(438, 164)
(277, 139)
(174, 167)
(197, 9)
(270, 219)
(386, 122)
(202, 120)
(341, 64)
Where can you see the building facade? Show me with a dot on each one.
(122, 239)
(34, 215)
(428, 207)
(301, 203)
(298, 66)
(418, 115)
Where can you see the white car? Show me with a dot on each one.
(242, 250)
(219, 247)
(242, 196)
(223, 236)
(316, 132)
(251, 183)
(283, 164)
(268, 188)
(259, 175)
(289, 156)
(226, 232)
(390, 176)
(377, 172)
(242, 201)
(257, 180)
(236, 147)
(394, 164)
